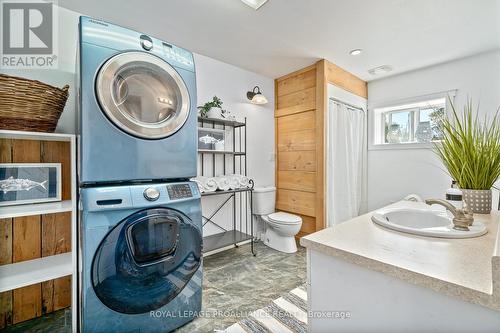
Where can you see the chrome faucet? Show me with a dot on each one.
(462, 218)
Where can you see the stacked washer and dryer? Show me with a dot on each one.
(140, 217)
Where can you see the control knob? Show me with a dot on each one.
(151, 194)
(146, 42)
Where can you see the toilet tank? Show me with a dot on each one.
(264, 200)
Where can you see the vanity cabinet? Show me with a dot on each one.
(362, 276)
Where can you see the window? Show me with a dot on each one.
(409, 123)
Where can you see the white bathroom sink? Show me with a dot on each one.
(424, 222)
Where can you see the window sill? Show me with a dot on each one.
(401, 146)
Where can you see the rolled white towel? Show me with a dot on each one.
(233, 182)
(198, 182)
(222, 183)
(244, 181)
(210, 184)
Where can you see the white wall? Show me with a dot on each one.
(214, 77)
(392, 174)
(231, 83)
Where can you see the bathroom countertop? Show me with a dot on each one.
(468, 269)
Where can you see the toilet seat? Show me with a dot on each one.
(284, 218)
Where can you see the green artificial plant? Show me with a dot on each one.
(470, 149)
(216, 102)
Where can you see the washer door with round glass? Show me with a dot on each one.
(142, 95)
(146, 260)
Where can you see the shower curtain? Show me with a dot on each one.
(346, 162)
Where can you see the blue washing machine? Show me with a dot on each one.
(141, 249)
(137, 115)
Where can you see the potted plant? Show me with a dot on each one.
(470, 150)
(211, 109)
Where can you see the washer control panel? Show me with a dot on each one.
(179, 191)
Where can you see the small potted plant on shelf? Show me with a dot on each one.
(212, 109)
(470, 150)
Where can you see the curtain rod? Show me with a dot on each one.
(347, 104)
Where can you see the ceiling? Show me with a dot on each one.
(286, 35)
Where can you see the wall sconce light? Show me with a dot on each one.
(256, 97)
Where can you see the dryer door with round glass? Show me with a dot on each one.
(142, 95)
(146, 260)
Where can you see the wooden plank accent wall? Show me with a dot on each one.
(300, 124)
(345, 80)
(296, 160)
(321, 109)
(25, 238)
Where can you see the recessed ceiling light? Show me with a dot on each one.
(380, 70)
(255, 4)
(355, 52)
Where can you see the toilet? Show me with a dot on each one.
(281, 227)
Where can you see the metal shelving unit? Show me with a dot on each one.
(233, 161)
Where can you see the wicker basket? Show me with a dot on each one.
(30, 105)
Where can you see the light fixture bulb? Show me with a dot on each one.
(355, 52)
(255, 4)
(256, 97)
(384, 69)
(259, 99)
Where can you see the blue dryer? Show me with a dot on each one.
(137, 116)
(141, 249)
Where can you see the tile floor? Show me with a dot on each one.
(235, 283)
(56, 322)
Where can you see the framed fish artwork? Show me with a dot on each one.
(29, 183)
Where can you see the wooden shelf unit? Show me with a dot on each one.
(38, 252)
(9, 212)
(25, 273)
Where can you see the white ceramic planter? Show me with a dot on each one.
(214, 113)
(478, 201)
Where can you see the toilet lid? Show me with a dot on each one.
(285, 218)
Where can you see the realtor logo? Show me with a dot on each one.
(28, 34)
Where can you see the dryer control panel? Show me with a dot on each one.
(174, 53)
(122, 197)
(115, 37)
(179, 191)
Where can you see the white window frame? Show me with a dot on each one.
(377, 121)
